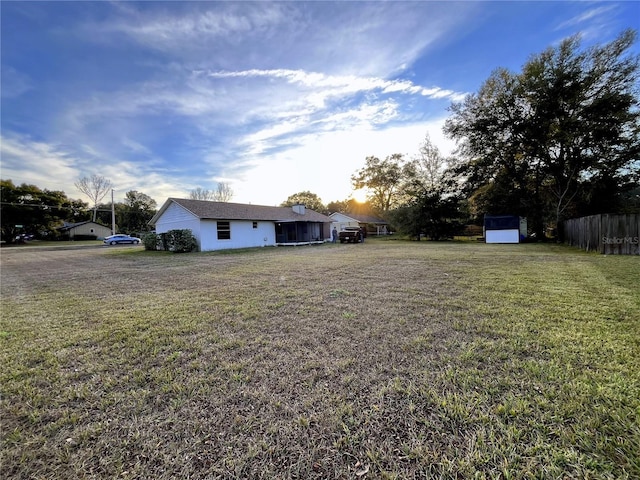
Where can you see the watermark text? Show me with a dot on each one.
(621, 240)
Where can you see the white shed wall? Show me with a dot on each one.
(177, 218)
(243, 235)
(96, 229)
(502, 236)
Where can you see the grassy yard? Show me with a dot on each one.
(386, 360)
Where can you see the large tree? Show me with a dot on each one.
(435, 213)
(95, 187)
(136, 212)
(384, 179)
(432, 196)
(429, 165)
(306, 198)
(350, 205)
(536, 142)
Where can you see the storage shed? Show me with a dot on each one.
(84, 230)
(504, 228)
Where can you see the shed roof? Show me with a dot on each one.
(68, 226)
(204, 209)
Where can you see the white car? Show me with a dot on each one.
(120, 238)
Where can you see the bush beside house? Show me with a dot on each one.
(177, 241)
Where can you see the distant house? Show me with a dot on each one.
(373, 225)
(84, 230)
(224, 225)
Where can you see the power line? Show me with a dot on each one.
(60, 207)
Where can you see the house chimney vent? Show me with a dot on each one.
(299, 208)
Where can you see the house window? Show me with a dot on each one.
(255, 224)
(224, 231)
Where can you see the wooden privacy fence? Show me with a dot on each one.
(609, 234)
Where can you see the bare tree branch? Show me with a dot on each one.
(223, 193)
(201, 194)
(95, 187)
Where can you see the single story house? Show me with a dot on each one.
(225, 225)
(373, 225)
(504, 228)
(84, 229)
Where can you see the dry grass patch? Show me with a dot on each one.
(380, 360)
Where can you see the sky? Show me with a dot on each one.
(272, 98)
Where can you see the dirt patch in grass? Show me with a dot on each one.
(380, 360)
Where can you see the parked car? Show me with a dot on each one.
(24, 237)
(120, 238)
(351, 235)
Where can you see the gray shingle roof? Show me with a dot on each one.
(68, 226)
(242, 211)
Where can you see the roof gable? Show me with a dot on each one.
(69, 226)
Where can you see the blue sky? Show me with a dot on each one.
(273, 98)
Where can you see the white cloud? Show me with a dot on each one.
(326, 86)
(238, 91)
(27, 161)
(324, 162)
(363, 38)
(594, 24)
(14, 83)
(170, 30)
(276, 110)
(597, 14)
(55, 167)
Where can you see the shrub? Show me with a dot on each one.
(151, 241)
(177, 241)
(180, 241)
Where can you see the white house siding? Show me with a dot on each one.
(243, 235)
(177, 218)
(340, 221)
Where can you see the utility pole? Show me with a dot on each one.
(113, 215)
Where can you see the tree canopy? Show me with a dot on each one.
(383, 179)
(306, 198)
(137, 210)
(540, 142)
(430, 203)
(29, 209)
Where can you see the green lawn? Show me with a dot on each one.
(387, 359)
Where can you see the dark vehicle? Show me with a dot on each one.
(120, 238)
(24, 237)
(350, 235)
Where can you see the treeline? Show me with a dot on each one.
(558, 140)
(28, 209)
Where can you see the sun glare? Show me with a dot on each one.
(360, 195)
